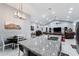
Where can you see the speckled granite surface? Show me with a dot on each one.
(42, 46)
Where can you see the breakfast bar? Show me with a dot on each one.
(41, 46)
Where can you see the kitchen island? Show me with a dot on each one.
(41, 46)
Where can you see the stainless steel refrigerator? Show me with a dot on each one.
(77, 36)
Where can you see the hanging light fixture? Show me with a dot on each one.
(19, 13)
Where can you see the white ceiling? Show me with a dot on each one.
(40, 11)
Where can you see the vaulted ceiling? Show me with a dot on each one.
(46, 12)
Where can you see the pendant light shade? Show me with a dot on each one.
(19, 13)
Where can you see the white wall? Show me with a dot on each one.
(53, 25)
(7, 16)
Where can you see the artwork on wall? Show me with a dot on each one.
(12, 26)
(32, 28)
(37, 26)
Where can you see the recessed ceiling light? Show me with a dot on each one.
(49, 8)
(43, 16)
(46, 18)
(51, 24)
(49, 20)
(53, 12)
(34, 24)
(69, 11)
(68, 16)
(71, 8)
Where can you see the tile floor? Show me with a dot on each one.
(10, 52)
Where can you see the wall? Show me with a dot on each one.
(61, 24)
(53, 24)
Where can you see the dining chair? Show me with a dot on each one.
(21, 50)
(4, 43)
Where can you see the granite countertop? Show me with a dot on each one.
(42, 46)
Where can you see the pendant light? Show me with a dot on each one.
(19, 13)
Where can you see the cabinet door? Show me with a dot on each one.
(77, 32)
(77, 36)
